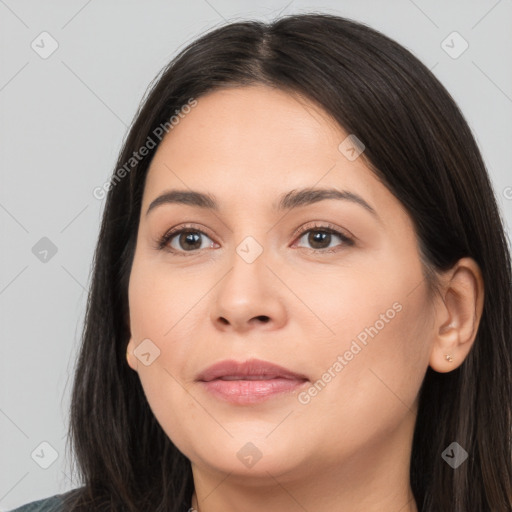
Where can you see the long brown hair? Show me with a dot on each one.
(420, 146)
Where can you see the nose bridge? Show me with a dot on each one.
(248, 268)
(247, 291)
(250, 240)
(251, 249)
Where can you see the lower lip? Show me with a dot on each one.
(251, 391)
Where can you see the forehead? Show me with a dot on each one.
(240, 120)
(249, 145)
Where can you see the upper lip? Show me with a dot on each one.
(251, 368)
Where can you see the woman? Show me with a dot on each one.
(301, 296)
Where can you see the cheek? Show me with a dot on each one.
(373, 365)
(156, 307)
(163, 308)
(161, 303)
(173, 407)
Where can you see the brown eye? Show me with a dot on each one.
(185, 240)
(188, 240)
(323, 238)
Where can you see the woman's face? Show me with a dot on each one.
(251, 280)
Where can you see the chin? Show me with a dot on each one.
(251, 455)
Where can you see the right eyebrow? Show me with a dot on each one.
(189, 197)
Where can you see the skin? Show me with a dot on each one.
(348, 448)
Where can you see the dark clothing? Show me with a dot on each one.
(55, 504)
(51, 504)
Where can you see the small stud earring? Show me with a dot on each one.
(448, 357)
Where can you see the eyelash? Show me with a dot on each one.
(189, 228)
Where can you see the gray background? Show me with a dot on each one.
(62, 120)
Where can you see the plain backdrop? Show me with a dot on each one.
(63, 116)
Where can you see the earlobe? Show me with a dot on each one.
(130, 358)
(460, 311)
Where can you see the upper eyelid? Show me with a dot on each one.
(187, 227)
(303, 229)
(319, 226)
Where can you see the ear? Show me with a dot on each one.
(458, 315)
(130, 357)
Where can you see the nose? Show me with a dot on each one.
(250, 296)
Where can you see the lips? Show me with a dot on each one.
(250, 382)
(253, 369)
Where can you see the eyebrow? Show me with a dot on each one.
(294, 199)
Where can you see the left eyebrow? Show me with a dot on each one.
(294, 199)
(302, 197)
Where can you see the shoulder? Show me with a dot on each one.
(56, 504)
(51, 504)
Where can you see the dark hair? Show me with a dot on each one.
(420, 147)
